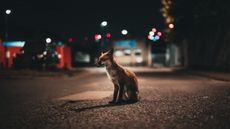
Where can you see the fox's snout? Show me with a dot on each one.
(98, 63)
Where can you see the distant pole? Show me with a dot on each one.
(7, 53)
(8, 12)
(6, 28)
(149, 54)
(102, 26)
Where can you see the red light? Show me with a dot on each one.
(154, 30)
(70, 40)
(149, 36)
(108, 35)
(159, 33)
(97, 36)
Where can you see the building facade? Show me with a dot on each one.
(132, 52)
(9, 50)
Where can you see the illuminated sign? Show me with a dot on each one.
(126, 43)
(14, 43)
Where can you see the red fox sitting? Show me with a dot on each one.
(125, 81)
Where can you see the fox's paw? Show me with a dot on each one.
(120, 102)
(132, 101)
(112, 102)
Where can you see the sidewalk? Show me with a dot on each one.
(223, 76)
(27, 73)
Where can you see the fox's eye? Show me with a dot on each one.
(104, 58)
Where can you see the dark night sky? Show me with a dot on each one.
(79, 17)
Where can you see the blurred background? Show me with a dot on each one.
(179, 50)
(52, 35)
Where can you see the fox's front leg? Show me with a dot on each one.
(115, 92)
(121, 91)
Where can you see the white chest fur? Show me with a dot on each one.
(112, 75)
(108, 74)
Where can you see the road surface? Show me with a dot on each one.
(169, 100)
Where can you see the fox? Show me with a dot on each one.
(125, 81)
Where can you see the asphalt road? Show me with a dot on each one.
(169, 100)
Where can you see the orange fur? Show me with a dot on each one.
(125, 81)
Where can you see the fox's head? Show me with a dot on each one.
(105, 58)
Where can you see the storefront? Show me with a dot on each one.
(9, 50)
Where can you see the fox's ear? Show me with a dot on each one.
(111, 52)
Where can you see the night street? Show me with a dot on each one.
(169, 99)
(62, 64)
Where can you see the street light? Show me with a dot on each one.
(151, 33)
(171, 26)
(103, 27)
(154, 30)
(104, 23)
(97, 37)
(8, 12)
(124, 32)
(48, 40)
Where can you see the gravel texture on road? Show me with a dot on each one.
(169, 100)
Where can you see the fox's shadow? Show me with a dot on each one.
(96, 107)
(106, 105)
